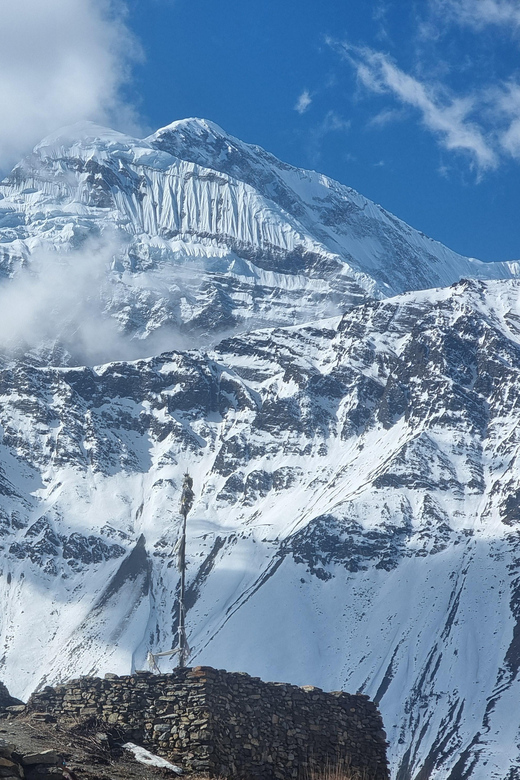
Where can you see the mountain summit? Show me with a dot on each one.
(197, 234)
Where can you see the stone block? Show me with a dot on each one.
(6, 749)
(8, 767)
(42, 772)
(11, 769)
(45, 757)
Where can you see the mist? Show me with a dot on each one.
(59, 309)
(62, 61)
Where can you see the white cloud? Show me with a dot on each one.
(331, 123)
(61, 61)
(64, 307)
(380, 16)
(303, 102)
(58, 298)
(387, 116)
(504, 104)
(447, 116)
(481, 13)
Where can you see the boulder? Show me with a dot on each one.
(6, 700)
(44, 757)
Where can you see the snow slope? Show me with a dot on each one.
(355, 464)
(356, 520)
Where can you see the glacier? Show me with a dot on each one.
(207, 235)
(346, 401)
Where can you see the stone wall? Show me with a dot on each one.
(230, 724)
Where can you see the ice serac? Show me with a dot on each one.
(204, 234)
(357, 520)
(368, 239)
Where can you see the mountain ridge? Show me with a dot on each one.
(198, 234)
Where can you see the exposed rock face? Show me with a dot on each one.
(363, 468)
(6, 700)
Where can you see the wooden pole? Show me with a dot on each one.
(186, 505)
(182, 610)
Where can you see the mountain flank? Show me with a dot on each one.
(344, 393)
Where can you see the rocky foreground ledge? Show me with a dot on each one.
(46, 763)
(202, 720)
(33, 747)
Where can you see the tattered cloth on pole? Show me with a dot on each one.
(177, 551)
(187, 495)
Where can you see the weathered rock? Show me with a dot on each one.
(6, 700)
(6, 749)
(43, 772)
(45, 757)
(10, 769)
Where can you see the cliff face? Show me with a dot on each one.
(6, 700)
(355, 484)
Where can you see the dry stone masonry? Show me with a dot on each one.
(230, 724)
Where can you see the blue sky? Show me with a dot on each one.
(414, 104)
(409, 103)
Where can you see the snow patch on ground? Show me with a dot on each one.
(149, 759)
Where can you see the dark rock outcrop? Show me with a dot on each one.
(6, 700)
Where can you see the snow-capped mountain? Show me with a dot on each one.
(357, 477)
(206, 234)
